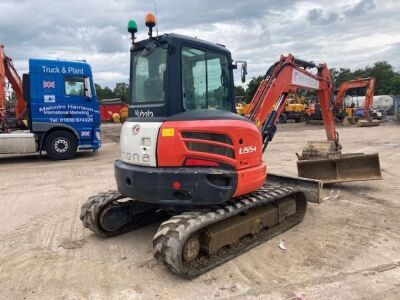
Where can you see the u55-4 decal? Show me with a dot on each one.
(247, 150)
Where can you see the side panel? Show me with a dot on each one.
(232, 142)
(21, 142)
(250, 179)
(139, 142)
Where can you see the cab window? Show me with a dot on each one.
(77, 86)
(205, 79)
(149, 75)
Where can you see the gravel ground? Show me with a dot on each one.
(347, 247)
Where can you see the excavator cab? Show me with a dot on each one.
(171, 74)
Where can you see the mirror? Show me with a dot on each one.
(244, 71)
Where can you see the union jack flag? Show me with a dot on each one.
(49, 84)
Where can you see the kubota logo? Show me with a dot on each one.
(135, 129)
(247, 150)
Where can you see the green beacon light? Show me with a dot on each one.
(132, 28)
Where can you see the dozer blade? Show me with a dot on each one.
(352, 121)
(367, 123)
(312, 188)
(341, 168)
(349, 121)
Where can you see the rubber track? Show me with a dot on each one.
(171, 236)
(95, 205)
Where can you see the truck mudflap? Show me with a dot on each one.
(341, 168)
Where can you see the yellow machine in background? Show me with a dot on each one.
(294, 109)
(241, 108)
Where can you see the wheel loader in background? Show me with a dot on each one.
(187, 154)
(294, 109)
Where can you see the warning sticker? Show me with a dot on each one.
(168, 132)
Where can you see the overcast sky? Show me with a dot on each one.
(342, 33)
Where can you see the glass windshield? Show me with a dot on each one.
(149, 66)
(205, 80)
(73, 86)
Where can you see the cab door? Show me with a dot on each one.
(81, 106)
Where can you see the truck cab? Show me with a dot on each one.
(62, 112)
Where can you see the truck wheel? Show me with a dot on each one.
(60, 145)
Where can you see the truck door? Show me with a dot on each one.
(83, 110)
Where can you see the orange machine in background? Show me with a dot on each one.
(7, 71)
(366, 120)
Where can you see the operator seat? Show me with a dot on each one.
(153, 89)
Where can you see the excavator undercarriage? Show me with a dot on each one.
(192, 242)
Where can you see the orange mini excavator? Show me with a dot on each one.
(185, 152)
(369, 84)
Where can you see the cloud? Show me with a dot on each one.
(318, 16)
(346, 33)
(361, 8)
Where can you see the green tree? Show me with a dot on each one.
(104, 93)
(252, 87)
(341, 75)
(384, 74)
(121, 91)
(240, 91)
(387, 80)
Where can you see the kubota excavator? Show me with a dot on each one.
(185, 152)
(366, 120)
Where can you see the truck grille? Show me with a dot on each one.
(208, 148)
(208, 136)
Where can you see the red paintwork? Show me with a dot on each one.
(195, 162)
(250, 179)
(172, 151)
(107, 110)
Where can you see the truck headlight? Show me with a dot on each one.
(98, 136)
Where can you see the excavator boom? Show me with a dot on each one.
(8, 71)
(319, 160)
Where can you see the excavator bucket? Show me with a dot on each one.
(341, 168)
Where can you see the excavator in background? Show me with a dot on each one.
(345, 114)
(11, 117)
(187, 154)
(351, 119)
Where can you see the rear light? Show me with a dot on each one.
(176, 185)
(190, 162)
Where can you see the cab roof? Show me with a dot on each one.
(173, 38)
